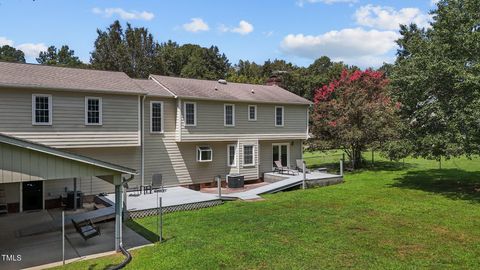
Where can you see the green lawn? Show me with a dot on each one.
(392, 216)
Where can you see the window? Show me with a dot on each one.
(229, 115)
(41, 109)
(190, 115)
(156, 116)
(279, 116)
(252, 112)
(93, 111)
(248, 157)
(231, 155)
(204, 153)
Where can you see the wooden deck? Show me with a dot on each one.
(173, 199)
(284, 181)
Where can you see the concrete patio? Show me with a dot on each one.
(46, 248)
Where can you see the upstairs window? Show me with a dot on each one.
(248, 156)
(41, 109)
(279, 114)
(252, 112)
(93, 111)
(231, 155)
(156, 116)
(229, 115)
(190, 113)
(204, 153)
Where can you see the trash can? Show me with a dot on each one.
(69, 204)
(235, 181)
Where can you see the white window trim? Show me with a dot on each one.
(248, 115)
(185, 113)
(283, 116)
(198, 157)
(50, 110)
(151, 118)
(225, 115)
(288, 152)
(253, 156)
(100, 108)
(234, 164)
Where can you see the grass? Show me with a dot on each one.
(391, 216)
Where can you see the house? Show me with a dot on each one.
(185, 129)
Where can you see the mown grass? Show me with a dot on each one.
(390, 216)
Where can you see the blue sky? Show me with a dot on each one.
(360, 32)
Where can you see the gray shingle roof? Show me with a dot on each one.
(204, 89)
(152, 88)
(30, 75)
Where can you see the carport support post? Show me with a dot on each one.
(63, 237)
(117, 180)
(74, 194)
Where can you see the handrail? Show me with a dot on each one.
(128, 258)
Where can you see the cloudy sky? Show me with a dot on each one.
(360, 32)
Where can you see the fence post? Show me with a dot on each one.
(304, 184)
(161, 221)
(341, 167)
(63, 237)
(219, 185)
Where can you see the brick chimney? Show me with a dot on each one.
(274, 80)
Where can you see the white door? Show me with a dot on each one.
(281, 151)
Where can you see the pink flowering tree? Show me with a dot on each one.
(354, 113)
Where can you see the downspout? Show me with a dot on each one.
(142, 132)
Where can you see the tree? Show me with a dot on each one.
(63, 57)
(436, 77)
(110, 51)
(10, 54)
(353, 113)
(203, 63)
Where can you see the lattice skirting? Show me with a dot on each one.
(172, 208)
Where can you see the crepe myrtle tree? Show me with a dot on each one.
(354, 113)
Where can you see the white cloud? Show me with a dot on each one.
(243, 28)
(5, 41)
(269, 33)
(126, 15)
(388, 18)
(434, 2)
(196, 25)
(352, 45)
(32, 49)
(329, 2)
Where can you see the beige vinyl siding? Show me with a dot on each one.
(12, 192)
(18, 164)
(249, 171)
(124, 156)
(266, 154)
(68, 129)
(210, 120)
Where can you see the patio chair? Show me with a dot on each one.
(300, 166)
(156, 184)
(136, 191)
(283, 169)
(86, 229)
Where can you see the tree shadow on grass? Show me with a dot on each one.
(451, 183)
(146, 233)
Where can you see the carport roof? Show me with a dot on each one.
(63, 154)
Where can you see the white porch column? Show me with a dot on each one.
(118, 211)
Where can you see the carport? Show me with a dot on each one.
(25, 161)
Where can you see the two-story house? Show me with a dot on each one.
(187, 130)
